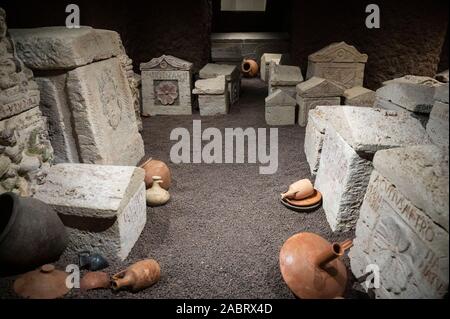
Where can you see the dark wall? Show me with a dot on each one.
(148, 28)
(409, 42)
(274, 19)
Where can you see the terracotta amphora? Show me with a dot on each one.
(249, 68)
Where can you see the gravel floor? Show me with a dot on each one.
(221, 233)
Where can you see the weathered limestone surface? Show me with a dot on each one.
(166, 86)
(345, 168)
(400, 229)
(381, 103)
(232, 74)
(51, 48)
(134, 81)
(89, 93)
(265, 62)
(213, 97)
(215, 85)
(369, 130)
(280, 109)
(443, 76)
(25, 151)
(318, 119)
(55, 107)
(285, 75)
(103, 114)
(441, 93)
(210, 105)
(309, 103)
(438, 124)
(339, 62)
(413, 93)
(316, 91)
(359, 96)
(103, 207)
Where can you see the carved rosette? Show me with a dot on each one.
(166, 92)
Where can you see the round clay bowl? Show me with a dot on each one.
(312, 200)
(301, 209)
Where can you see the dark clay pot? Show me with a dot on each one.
(31, 234)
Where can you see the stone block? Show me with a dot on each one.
(265, 62)
(210, 105)
(102, 207)
(232, 74)
(368, 130)
(308, 103)
(421, 174)
(342, 179)
(441, 93)
(319, 87)
(359, 96)
(339, 62)
(407, 243)
(15, 101)
(55, 48)
(288, 89)
(55, 107)
(345, 165)
(318, 119)
(210, 86)
(443, 76)
(438, 124)
(280, 115)
(381, 103)
(103, 114)
(284, 75)
(167, 86)
(414, 93)
(280, 109)
(280, 98)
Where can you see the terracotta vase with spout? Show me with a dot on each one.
(311, 267)
(249, 68)
(138, 276)
(154, 167)
(156, 195)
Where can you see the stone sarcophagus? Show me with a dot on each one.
(403, 224)
(166, 86)
(316, 91)
(85, 93)
(339, 62)
(103, 207)
(232, 76)
(345, 162)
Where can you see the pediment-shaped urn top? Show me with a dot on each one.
(166, 62)
(339, 52)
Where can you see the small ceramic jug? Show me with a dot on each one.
(156, 195)
(138, 276)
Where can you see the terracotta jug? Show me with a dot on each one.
(138, 276)
(31, 234)
(299, 190)
(249, 68)
(311, 267)
(43, 283)
(157, 168)
(156, 195)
